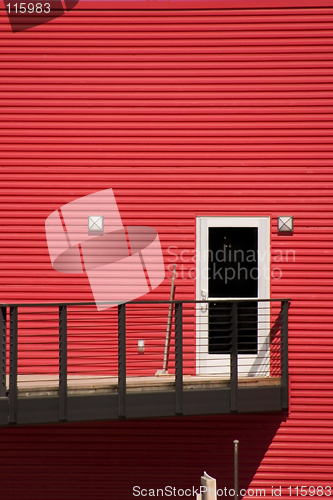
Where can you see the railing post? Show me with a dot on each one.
(63, 363)
(13, 365)
(234, 360)
(284, 355)
(178, 358)
(122, 361)
(3, 338)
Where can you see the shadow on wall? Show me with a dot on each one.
(105, 460)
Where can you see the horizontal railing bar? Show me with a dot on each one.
(70, 304)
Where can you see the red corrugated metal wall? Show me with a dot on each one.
(182, 113)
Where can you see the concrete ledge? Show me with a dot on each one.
(47, 385)
(152, 404)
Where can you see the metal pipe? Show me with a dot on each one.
(236, 442)
(164, 370)
(167, 339)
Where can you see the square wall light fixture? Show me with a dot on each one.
(96, 223)
(285, 223)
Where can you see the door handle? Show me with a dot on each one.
(204, 306)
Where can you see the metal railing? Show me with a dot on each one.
(216, 343)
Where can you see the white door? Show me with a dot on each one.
(233, 262)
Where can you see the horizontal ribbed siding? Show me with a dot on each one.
(182, 113)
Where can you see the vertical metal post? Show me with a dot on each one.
(284, 355)
(122, 361)
(13, 365)
(179, 358)
(62, 363)
(234, 360)
(236, 442)
(3, 332)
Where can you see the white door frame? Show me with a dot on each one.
(219, 364)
